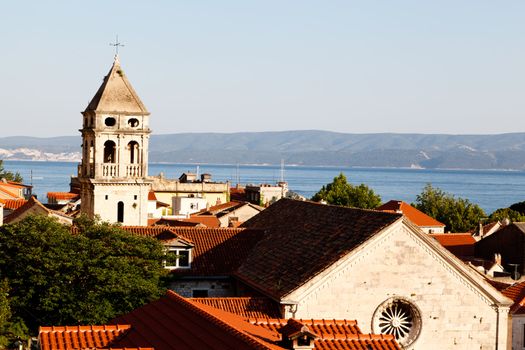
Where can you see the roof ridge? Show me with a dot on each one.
(251, 340)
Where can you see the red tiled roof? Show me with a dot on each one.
(237, 194)
(13, 204)
(250, 307)
(173, 320)
(80, 337)
(302, 239)
(151, 196)
(175, 222)
(7, 192)
(316, 326)
(216, 251)
(459, 244)
(218, 207)
(62, 195)
(516, 292)
(206, 220)
(332, 334)
(417, 217)
(28, 205)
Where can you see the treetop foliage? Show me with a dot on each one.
(90, 276)
(458, 214)
(340, 192)
(8, 175)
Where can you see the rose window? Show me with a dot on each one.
(400, 318)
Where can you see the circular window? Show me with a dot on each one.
(399, 317)
(133, 122)
(110, 122)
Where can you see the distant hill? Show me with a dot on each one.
(503, 151)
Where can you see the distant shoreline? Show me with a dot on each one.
(289, 165)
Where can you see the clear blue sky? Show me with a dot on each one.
(227, 66)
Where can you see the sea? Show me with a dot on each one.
(490, 189)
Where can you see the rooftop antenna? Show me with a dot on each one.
(282, 170)
(117, 44)
(238, 177)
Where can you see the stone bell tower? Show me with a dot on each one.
(115, 137)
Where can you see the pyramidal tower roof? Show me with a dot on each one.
(116, 95)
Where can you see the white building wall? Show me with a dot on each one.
(187, 205)
(453, 315)
(518, 332)
(134, 197)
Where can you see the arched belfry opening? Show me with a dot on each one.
(133, 148)
(120, 211)
(109, 152)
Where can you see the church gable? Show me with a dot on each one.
(401, 281)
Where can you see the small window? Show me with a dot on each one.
(135, 197)
(303, 340)
(106, 197)
(133, 122)
(177, 258)
(110, 121)
(199, 293)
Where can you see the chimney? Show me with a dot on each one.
(480, 230)
(497, 258)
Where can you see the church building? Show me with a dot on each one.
(115, 137)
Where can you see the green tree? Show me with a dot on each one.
(340, 192)
(506, 213)
(86, 277)
(519, 207)
(458, 214)
(11, 329)
(8, 175)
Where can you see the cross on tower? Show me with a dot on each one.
(117, 44)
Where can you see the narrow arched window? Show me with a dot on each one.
(133, 148)
(120, 212)
(109, 152)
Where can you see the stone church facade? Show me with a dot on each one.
(115, 138)
(325, 262)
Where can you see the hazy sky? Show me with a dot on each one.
(227, 66)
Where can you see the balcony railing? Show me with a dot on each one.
(134, 170)
(110, 170)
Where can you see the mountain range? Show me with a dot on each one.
(310, 147)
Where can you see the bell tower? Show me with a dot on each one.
(115, 138)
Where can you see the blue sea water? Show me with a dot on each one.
(491, 189)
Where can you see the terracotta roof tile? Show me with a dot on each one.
(318, 327)
(459, 244)
(302, 239)
(417, 217)
(152, 196)
(32, 202)
(13, 204)
(516, 293)
(8, 192)
(216, 251)
(80, 337)
(175, 320)
(62, 195)
(250, 307)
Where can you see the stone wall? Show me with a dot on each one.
(215, 287)
(453, 314)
